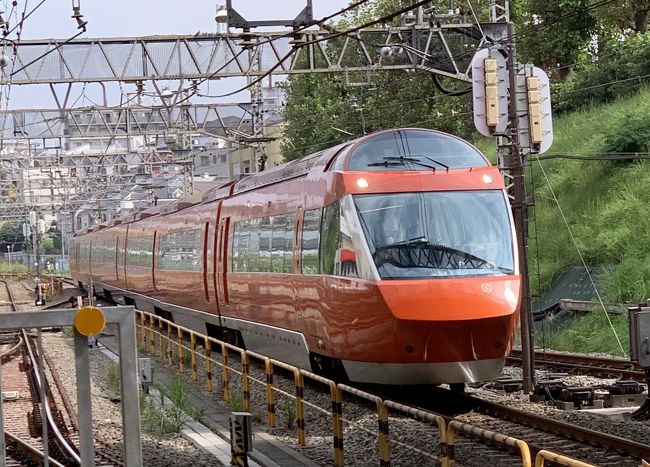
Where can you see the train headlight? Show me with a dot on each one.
(487, 179)
(362, 183)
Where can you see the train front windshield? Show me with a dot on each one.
(439, 234)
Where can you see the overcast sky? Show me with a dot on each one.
(131, 18)
(115, 18)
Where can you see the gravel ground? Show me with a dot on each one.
(171, 450)
(411, 442)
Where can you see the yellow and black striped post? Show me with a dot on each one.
(246, 384)
(181, 350)
(208, 363)
(300, 407)
(152, 337)
(337, 423)
(241, 441)
(384, 446)
(142, 330)
(225, 373)
(195, 374)
(170, 348)
(270, 393)
(162, 340)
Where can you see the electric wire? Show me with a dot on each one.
(314, 41)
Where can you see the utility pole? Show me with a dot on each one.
(512, 103)
(515, 160)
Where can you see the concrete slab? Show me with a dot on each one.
(616, 413)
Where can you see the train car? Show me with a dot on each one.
(388, 259)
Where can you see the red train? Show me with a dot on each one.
(386, 259)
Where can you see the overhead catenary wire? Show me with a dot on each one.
(315, 41)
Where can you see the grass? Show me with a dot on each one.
(13, 267)
(604, 203)
(589, 333)
(113, 377)
(605, 207)
(170, 410)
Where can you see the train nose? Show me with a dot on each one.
(451, 299)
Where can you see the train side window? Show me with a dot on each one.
(279, 224)
(254, 245)
(180, 251)
(288, 243)
(244, 238)
(264, 233)
(330, 238)
(236, 259)
(310, 240)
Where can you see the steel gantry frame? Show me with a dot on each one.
(432, 47)
(441, 46)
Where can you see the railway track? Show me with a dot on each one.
(539, 432)
(27, 421)
(609, 367)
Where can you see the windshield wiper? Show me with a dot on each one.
(412, 158)
(386, 164)
(401, 160)
(412, 241)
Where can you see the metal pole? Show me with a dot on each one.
(2, 424)
(520, 217)
(129, 386)
(86, 438)
(43, 396)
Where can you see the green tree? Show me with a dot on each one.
(11, 233)
(554, 34)
(325, 109)
(626, 16)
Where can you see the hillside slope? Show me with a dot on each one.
(606, 207)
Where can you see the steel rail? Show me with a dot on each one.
(30, 451)
(591, 365)
(549, 425)
(66, 449)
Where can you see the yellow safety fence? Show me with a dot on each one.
(170, 342)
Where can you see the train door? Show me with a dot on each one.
(216, 258)
(222, 263)
(118, 244)
(154, 256)
(124, 258)
(297, 265)
(205, 260)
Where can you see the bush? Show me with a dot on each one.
(620, 71)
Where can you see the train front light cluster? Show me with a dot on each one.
(362, 183)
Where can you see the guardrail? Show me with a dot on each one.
(178, 346)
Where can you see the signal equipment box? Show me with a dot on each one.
(639, 320)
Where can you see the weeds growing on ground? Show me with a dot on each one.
(170, 410)
(114, 378)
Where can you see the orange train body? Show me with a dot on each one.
(389, 259)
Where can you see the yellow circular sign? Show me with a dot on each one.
(89, 321)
